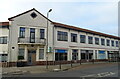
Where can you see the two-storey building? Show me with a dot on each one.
(25, 38)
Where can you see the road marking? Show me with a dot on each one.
(104, 74)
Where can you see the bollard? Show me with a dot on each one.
(80, 62)
(93, 61)
(60, 64)
(71, 63)
(54, 63)
(46, 64)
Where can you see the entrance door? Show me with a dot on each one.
(31, 57)
(86, 54)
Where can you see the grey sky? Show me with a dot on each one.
(97, 15)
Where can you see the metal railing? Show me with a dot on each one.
(29, 40)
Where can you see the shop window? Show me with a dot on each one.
(87, 54)
(41, 54)
(21, 53)
(60, 55)
(74, 54)
(83, 55)
(101, 55)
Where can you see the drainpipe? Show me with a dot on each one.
(9, 44)
(53, 45)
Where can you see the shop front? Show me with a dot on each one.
(101, 54)
(86, 55)
(113, 56)
(74, 54)
(60, 55)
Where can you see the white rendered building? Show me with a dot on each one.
(24, 38)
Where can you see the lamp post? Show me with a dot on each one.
(47, 40)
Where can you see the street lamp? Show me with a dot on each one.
(47, 40)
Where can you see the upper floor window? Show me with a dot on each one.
(62, 36)
(42, 33)
(22, 32)
(108, 42)
(3, 40)
(117, 44)
(90, 40)
(96, 41)
(102, 41)
(32, 35)
(82, 38)
(112, 42)
(73, 37)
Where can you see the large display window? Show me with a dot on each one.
(60, 55)
(87, 54)
(101, 55)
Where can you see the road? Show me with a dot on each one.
(91, 70)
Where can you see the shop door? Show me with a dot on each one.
(31, 57)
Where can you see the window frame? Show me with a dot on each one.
(74, 54)
(23, 52)
(41, 54)
(62, 36)
(103, 41)
(32, 35)
(3, 57)
(22, 32)
(117, 43)
(97, 41)
(4, 40)
(90, 40)
(42, 33)
(73, 37)
(112, 43)
(108, 42)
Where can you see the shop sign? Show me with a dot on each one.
(101, 52)
(60, 51)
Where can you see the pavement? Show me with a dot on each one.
(42, 69)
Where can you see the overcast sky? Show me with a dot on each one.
(97, 15)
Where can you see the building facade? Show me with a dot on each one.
(26, 39)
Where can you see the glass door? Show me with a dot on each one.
(32, 35)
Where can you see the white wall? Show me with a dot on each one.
(67, 44)
(4, 32)
(28, 22)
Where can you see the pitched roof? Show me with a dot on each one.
(84, 30)
(10, 19)
(64, 25)
(4, 23)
